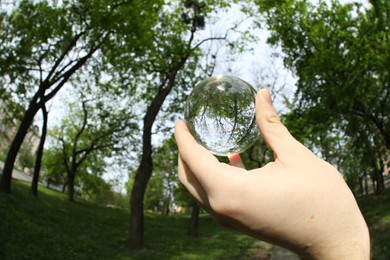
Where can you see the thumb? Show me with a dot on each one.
(272, 130)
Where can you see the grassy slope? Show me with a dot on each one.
(49, 227)
(376, 211)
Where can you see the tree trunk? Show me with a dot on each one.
(135, 240)
(71, 178)
(194, 222)
(5, 183)
(38, 159)
(366, 183)
(64, 186)
(39, 100)
(380, 183)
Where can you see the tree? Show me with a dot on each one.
(90, 134)
(171, 62)
(165, 171)
(94, 188)
(54, 168)
(270, 77)
(46, 44)
(340, 54)
(38, 158)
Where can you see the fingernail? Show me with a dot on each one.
(234, 157)
(266, 95)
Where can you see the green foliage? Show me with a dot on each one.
(38, 33)
(53, 167)
(156, 197)
(258, 155)
(95, 189)
(26, 157)
(340, 55)
(160, 193)
(3, 150)
(90, 134)
(49, 44)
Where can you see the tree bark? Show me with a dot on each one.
(135, 239)
(366, 183)
(64, 186)
(380, 183)
(38, 159)
(194, 222)
(136, 230)
(383, 130)
(71, 178)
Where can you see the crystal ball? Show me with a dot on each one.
(220, 114)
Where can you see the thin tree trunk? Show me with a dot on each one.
(64, 186)
(194, 222)
(366, 183)
(136, 229)
(38, 159)
(380, 183)
(71, 186)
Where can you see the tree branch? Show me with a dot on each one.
(71, 45)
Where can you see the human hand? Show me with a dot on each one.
(297, 201)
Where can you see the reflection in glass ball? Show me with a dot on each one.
(220, 113)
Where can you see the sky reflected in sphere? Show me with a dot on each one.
(220, 113)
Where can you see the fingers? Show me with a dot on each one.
(272, 130)
(199, 161)
(235, 160)
(192, 185)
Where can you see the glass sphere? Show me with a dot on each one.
(220, 114)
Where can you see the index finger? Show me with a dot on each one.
(205, 167)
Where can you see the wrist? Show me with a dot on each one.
(355, 245)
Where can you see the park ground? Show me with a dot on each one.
(50, 227)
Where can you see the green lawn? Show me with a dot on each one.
(49, 227)
(376, 211)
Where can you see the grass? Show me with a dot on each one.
(376, 211)
(50, 227)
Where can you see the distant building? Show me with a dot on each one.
(8, 128)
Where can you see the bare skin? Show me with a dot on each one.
(297, 201)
